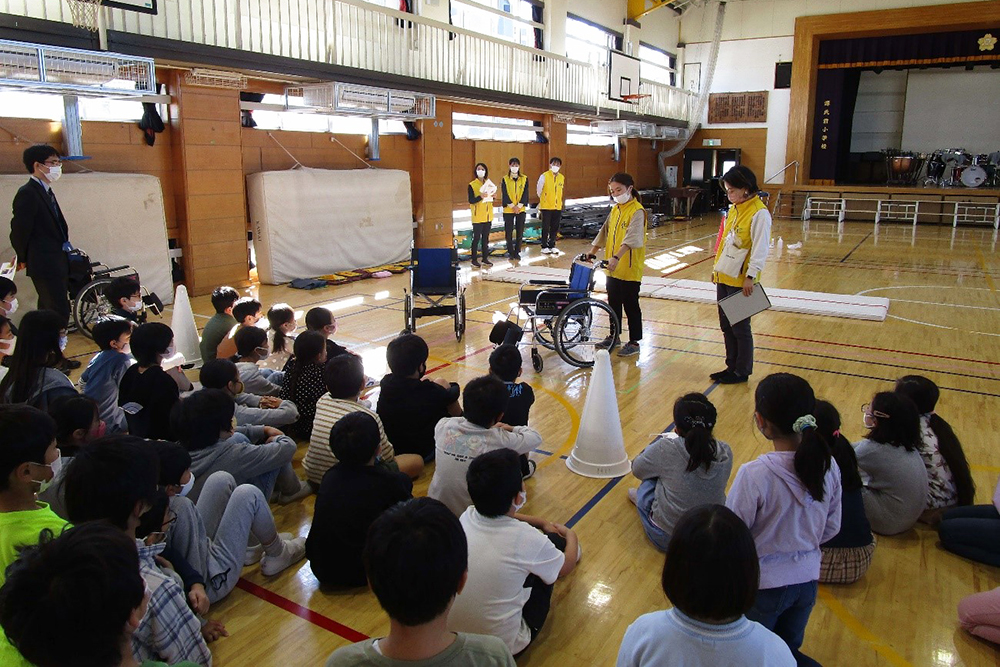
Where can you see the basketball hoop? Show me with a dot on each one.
(634, 99)
(85, 14)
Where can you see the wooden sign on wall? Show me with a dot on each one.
(737, 107)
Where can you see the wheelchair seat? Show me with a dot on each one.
(434, 271)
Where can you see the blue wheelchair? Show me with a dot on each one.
(435, 280)
(562, 316)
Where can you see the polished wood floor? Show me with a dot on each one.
(944, 321)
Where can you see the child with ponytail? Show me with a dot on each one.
(790, 501)
(681, 471)
(948, 476)
(280, 325)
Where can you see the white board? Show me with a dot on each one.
(313, 222)
(115, 218)
(623, 76)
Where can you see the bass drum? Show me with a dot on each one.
(973, 176)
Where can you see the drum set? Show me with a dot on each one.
(945, 168)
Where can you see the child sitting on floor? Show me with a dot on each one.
(417, 561)
(251, 410)
(410, 406)
(505, 363)
(352, 495)
(322, 321)
(458, 440)
(303, 382)
(251, 352)
(345, 378)
(104, 372)
(218, 328)
(681, 472)
(280, 326)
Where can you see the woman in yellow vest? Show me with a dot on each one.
(624, 237)
(550, 194)
(481, 203)
(514, 197)
(739, 259)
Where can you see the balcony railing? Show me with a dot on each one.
(359, 35)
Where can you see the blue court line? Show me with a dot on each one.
(606, 489)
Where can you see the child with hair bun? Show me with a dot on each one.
(790, 499)
(681, 470)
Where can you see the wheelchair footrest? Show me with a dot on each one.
(435, 310)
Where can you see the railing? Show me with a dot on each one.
(359, 35)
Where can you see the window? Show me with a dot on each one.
(48, 106)
(584, 135)
(587, 42)
(517, 21)
(656, 65)
(309, 122)
(493, 128)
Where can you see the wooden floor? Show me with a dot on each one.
(944, 322)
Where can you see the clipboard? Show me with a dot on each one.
(738, 307)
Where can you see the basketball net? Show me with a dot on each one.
(85, 14)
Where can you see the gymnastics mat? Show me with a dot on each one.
(314, 222)
(849, 306)
(115, 218)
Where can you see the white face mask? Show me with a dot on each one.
(868, 421)
(126, 349)
(7, 345)
(621, 199)
(54, 173)
(134, 307)
(514, 169)
(63, 342)
(480, 173)
(55, 467)
(262, 353)
(12, 308)
(554, 168)
(186, 488)
(524, 499)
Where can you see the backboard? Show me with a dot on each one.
(144, 6)
(623, 76)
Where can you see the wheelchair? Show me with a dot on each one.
(435, 279)
(561, 316)
(87, 282)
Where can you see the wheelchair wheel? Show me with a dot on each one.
(460, 315)
(91, 306)
(536, 361)
(580, 328)
(543, 333)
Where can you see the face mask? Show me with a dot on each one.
(7, 346)
(554, 168)
(186, 488)
(514, 169)
(55, 467)
(621, 199)
(126, 349)
(54, 173)
(102, 428)
(519, 505)
(63, 342)
(135, 307)
(480, 173)
(288, 328)
(171, 351)
(262, 353)
(12, 308)
(868, 420)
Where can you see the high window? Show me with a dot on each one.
(657, 65)
(518, 21)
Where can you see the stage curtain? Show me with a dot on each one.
(967, 46)
(836, 95)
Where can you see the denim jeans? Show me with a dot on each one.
(644, 503)
(785, 612)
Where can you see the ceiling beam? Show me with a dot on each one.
(639, 8)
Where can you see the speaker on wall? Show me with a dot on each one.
(782, 75)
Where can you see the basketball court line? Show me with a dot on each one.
(292, 607)
(856, 247)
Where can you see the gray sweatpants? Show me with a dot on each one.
(213, 534)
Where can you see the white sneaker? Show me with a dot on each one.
(305, 489)
(256, 552)
(546, 251)
(292, 552)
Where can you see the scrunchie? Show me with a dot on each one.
(804, 422)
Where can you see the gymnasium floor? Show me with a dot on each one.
(944, 320)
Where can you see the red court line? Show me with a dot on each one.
(291, 607)
(458, 359)
(837, 344)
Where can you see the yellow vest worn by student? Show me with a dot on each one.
(552, 192)
(631, 263)
(482, 211)
(515, 190)
(738, 218)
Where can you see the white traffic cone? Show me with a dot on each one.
(186, 340)
(600, 446)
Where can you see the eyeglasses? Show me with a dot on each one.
(157, 536)
(52, 163)
(867, 410)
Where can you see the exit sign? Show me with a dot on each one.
(711, 142)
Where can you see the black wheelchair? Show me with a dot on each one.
(87, 282)
(561, 316)
(435, 279)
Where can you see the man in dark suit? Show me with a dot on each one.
(39, 234)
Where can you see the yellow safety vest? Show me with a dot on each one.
(738, 218)
(515, 190)
(630, 265)
(552, 192)
(482, 211)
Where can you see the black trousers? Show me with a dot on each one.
(53, 293)
(536, 609)
(624, 295)
(481, 235)
(550, 227)
(513, 227)
(738, 337)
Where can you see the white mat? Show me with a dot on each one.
(312, 222)
(115, 218)
(784, 300)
